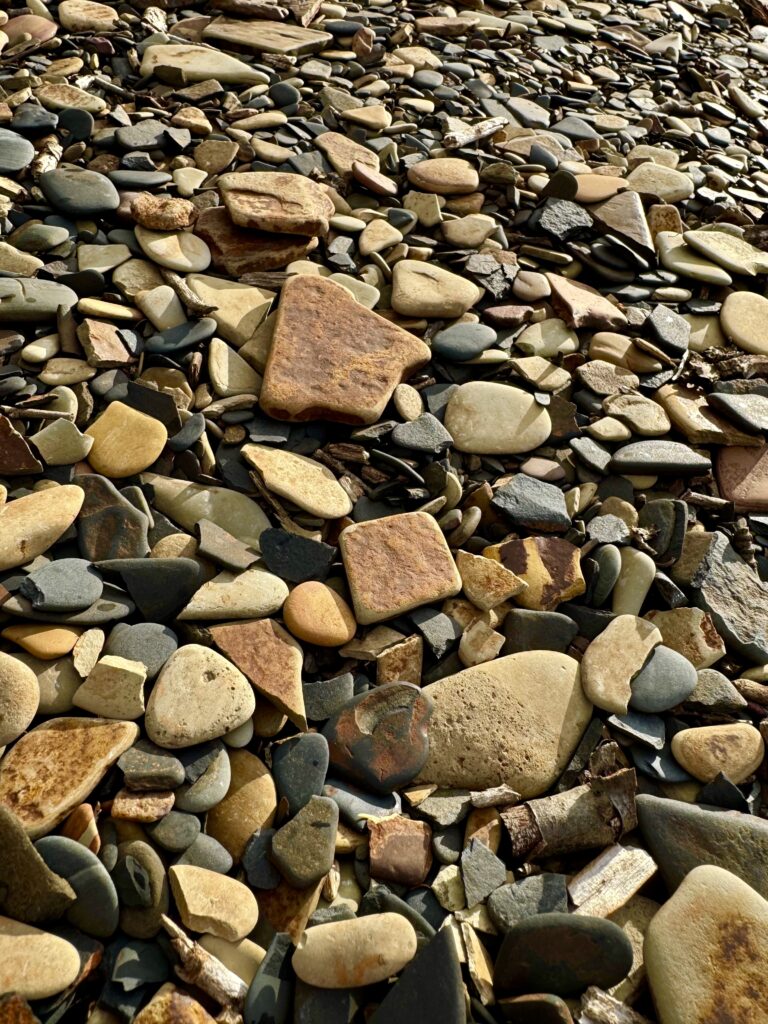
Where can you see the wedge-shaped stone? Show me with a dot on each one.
(331, 358)
(271, 659)
(197, 64)
(55, 767)
(272, 201)
(306, 483)
(187, 503)
(246, 595)
(624, 215)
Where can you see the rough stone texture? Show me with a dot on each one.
(272, 201)
(515, 720)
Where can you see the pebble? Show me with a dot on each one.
(19, 698)
(615, 658)
(486, 418)
(737, 750)
(349, 954)
(35, 964)
(317, 614)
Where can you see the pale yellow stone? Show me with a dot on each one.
(114, 689)
(32, 524)
(614, 658)
(33, 963)
(209, 901)
(240, 307)
(360, 951)
(308, 484)
(229, 373)
(125, 441)
(488, 418)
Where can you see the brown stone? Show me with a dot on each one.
(400, 850)
(331, 358)
(16, 458)
(317, 614)
(33, 25)
(582, 306)
(54, 767)
(163, 213)
(271, 660)
(238, 251)
(742, 476)
(29, 890)
(397, 563)
(81, 826)
(170, 1005)
(343, 153)
(550, 566)
(445, 176)
(250, 803)
(277, 202)
(288, 909)
(16, 1010)
(102, 344)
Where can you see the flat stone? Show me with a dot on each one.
(67, 584)
(664, 183)
(186, 503)
(27, 300)
(676, 255)
(729, 251)
(176, 250)
(198, 64)
(444, 176)
(546, 893)
(666, 680)
(36, 964)
(741, 318)
(114, 688)
(486, 583)
(519, 718)
(146, 766)
(149, 643)
(396, 564)
(736, 750)
(614, 658)
(349, 954)
(295, 558)
(125, 441)
(211, 902)
(532, 504)
(78, 191)
(324, 339)
(344, 154)
(250, 803)
(380, 738)
(238, 251)
(17, 152)
(95, 910)
(240, 308)
(198, 696)
(713, 917)
(299, 766)
(427, 290)
(19, 698)
(315, 613)
(666, 457)
(429, 989)
(550, 568)
(306, 483)
(681, 836)
(303, 849)
(487, 418)
(251, 594)
(591, 951)
(266, 37)
(271, 660)
(400, 850)
(276, 202)
(32, 892)
(56, 766)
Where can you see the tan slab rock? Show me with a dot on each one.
(349, 954)
(198, 64)
(516, 721)
(239, 251)
(614, 658)
(211, 902)
(114, 689)
(251, 594)
(250, 803)
(266, 36)
(485, 581)
(736, 750)
(489, 418)
(396, 564)
(343, 153)
(332, 358)
(53, 768)
(240, 308)
(445, 176)
(308, 484)
(125, 441)
(692, 633)
(35, 964)
(426, 290)
(276, 202)
(33, 523)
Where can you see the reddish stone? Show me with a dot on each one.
(742, 476)
(400, 850)
(238, 251)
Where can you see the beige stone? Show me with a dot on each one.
(486, 582)
(277, 202)
(198, 64)
(186, 503)
(266, 36)
(488, 418)
(444, 176)
(35, 964)
(743, 317)
(114, 689)
(60, 443)
(169, 1005)
(308, 484)
(53, 768)
(250, 803)
(427, 290)
(19, 697)
(229, 373)
(706, 951)
(516, 721)
(198, 696)
(736, 750)
(360, 951)
(175, 250)
(254, 593)
(240, 308)
(32, 524)
(125, 441)
(549, 565)
(670, 185)
(691, 632)
(395, 564)
(209, 901)
(57, 682)
(614, 658)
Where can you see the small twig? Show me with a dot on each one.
(201, 968)
(49, 153)
(271, 279)
(185, 294)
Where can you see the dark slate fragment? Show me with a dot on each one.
(429, 990)
(532, 504)
(529, 630)
(482, 872)
(546, 893)
(295, 558)
(324, 697)
(270, 994)
(299, 767)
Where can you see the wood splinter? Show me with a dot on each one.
(201, 968)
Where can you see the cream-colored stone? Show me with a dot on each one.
(488, 418)
(308, 484)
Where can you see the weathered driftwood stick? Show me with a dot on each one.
(611, 880)
(185, 293)
(201, 968)
(49, 153)
(597, 1007)
(588, 816)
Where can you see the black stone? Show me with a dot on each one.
(159, 586)
(533, 504)
(481, 870)
(299, 767)
(270, 994)
(295, 558)
(429, 989)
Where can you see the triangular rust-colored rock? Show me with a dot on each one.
(270, 658)
(332, 358)
(16, 458)
(582, 306)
